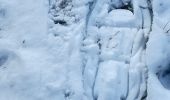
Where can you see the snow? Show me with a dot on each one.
(157, 55)
(84, 50)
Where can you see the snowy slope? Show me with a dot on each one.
(84, 50)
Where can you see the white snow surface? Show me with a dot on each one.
(84, 50)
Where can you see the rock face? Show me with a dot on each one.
(84, 50)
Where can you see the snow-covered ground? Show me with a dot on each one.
(84, 50)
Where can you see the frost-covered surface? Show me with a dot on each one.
(84, 50)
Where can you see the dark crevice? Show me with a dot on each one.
(144, 95)
(164, 77)
(142, 15)
(145, 45)
(127, 6)
(94, 83)
(61, 22)
(95, 98)
(55, 35)
(64, 3)
(167, 31)
(2, 12)
(151, 13)
(67, 94)
(23, 42)
(99, 43)
(3, 58)
(128, 86)
(122, 98)
(166, 72)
